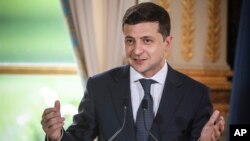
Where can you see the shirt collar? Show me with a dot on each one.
(160, 76)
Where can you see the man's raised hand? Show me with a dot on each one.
(52, 122)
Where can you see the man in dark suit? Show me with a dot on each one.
(147, 98)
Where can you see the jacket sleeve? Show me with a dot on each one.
(84, 126)
(203, 114)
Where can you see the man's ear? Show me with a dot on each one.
(168, 42)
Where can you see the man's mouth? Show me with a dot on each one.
(139, 61)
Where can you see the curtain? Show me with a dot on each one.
(240, 96)
(80, 15)
(114, 46)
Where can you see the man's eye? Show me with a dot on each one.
(129, 42)
(147, 41)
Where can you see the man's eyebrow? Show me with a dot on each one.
(143, 37)
(129, 37)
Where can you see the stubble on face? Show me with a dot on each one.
(145, 47)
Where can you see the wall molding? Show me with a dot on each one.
(214, 30)
(38, 69)
(214, 79)
(188, 29)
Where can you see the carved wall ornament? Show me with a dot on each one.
(166, 4)
(214, 29)
(187, 26)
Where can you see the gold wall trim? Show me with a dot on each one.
(166, 4)
(206, 72)
(30, 69)
(214, 28)
(215, 79)
(187, 26)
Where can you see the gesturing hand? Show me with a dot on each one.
(213, 128)
(52, 122)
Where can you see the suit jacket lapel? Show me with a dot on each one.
(168, 104)
(120, 90)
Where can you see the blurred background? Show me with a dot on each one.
(35, 54)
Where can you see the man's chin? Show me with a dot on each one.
(139, 68)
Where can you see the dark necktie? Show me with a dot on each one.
(148, 115)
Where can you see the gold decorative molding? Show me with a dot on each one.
(214, 27)
(166, 4)
(221, 100)
(187, 26)
(30, 69)
(215, 79)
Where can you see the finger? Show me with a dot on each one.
(221, 124)
(48, 124)
(219, 127)
(55, 127)
(54, 121)
(217, 132)
(48, 110)
(47, 114)
(57, 105)
(51, 130)
(214, 117)
(51, 116)
(213, 138)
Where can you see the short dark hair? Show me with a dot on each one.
(148, 12)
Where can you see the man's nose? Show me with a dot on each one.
(138, 49)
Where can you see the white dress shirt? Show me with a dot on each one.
(137, 92)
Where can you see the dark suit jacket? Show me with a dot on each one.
(184, 109)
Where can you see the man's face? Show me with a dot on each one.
(145, 47)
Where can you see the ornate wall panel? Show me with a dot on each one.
(188, 28)
(214, 29)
